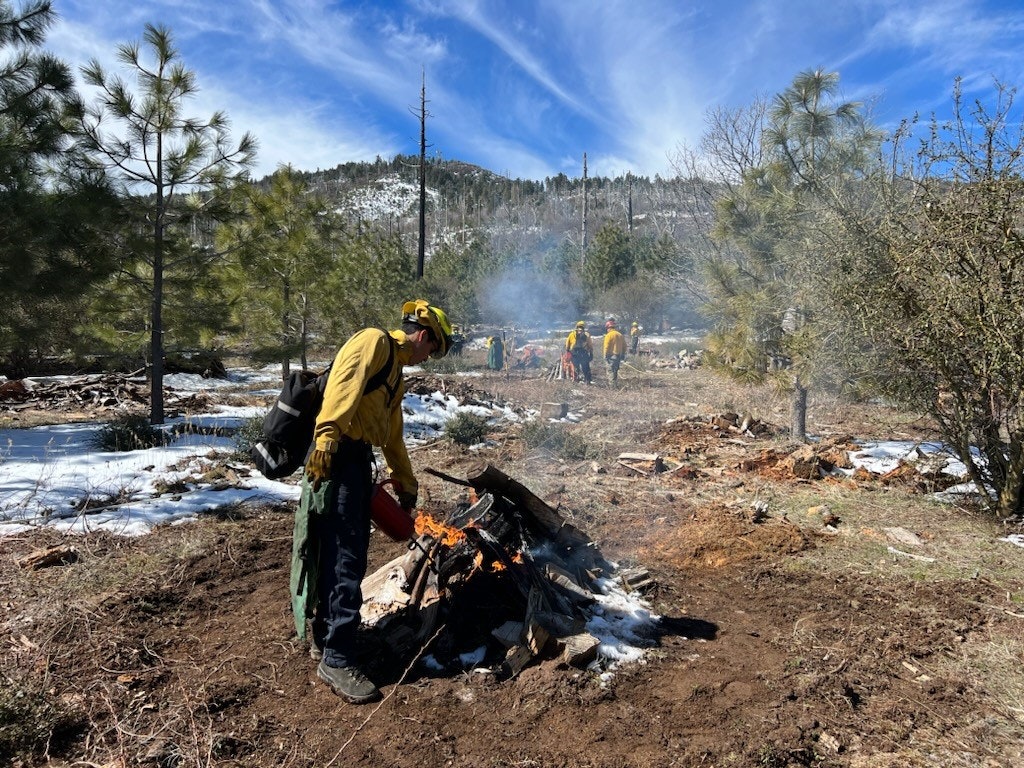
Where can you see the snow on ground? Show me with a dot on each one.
(49, 475)
(622, 622)
(884, 456)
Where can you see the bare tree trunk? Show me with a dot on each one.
(798, 411)
(1011, 495)
(629, 203)
(422, 245)
(156, 342)
(583, 228)
(286, 295)
(304, 332)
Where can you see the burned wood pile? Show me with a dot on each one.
(497, 584)
(94, 392)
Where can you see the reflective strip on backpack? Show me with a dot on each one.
(266, 455)
(288, 409)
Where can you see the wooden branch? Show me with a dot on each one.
(449, 478)
(44, 558)
(487, 478)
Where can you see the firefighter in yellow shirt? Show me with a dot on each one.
(581, 347)
(338, 483)
(614, 348)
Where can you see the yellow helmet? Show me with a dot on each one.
(433, 319)
(581, 324)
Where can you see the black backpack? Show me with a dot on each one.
(288, 426)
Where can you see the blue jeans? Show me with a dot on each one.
(344, 537)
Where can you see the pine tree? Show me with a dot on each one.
(52, 224)
(174, 169)
(764, 289)
(370, 277)
(282, 254)
(610, 259)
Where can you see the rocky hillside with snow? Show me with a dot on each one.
(463, 196)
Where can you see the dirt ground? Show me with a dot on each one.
(795, 630)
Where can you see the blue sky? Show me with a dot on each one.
(525, 87)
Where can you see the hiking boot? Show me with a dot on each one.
(348, 682)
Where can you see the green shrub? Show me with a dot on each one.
(448, 364)
(558, 439)
(30, 721)
(128, 433)
(250, 433)
(466, 428)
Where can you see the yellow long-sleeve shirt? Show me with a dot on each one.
(346, 411)
(614, 343)
(585, 341)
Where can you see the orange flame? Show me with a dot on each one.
(426, 525)
(496, 566)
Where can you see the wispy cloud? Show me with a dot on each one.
(526, 86)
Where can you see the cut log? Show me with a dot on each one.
(636, 580)
(579, 650)
(631, 468)
(516, 660)
(567, 582)
(639, 457)
(509, 634)
(542, 519)
(44, 558)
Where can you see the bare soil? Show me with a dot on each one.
(791, 633)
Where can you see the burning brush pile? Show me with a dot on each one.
(502, 582)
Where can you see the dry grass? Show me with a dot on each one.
(104, 597)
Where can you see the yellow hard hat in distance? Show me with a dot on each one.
(581, 324)
(432, 318)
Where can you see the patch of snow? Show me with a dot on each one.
(622, 622)
(386, 196)
(48, 474)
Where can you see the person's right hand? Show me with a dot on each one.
(318, 468)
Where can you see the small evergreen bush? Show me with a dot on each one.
(557, 439)
(31, 721)
(250, 433)
(128, 433)
(466, 428)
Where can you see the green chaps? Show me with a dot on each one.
(306, 551)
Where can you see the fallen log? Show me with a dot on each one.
(546, 523)
(44, 558)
